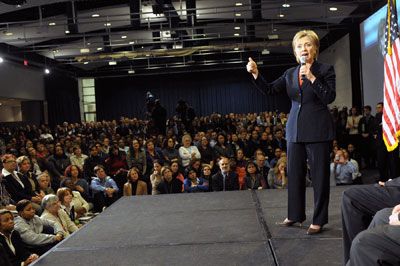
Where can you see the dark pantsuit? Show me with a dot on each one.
(317, 156)
(379, 244)
(359, 205)
(387, 163)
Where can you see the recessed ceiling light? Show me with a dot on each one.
(95, 15)
(47, 71)
(108, 24)
(281, 15)
(88, 43)
(85, 63)
(52, 23)
(131, 71)
(112, 63)
(285, 5)
(8, 33)
(236, 48)
(67, 32)
(237, 28)
(147, 55)
(84, 50)
(131, 42)
(124, 37)
(238, 4)
(238, 14)
(18, 6)
(236, 34)
(1, 60)
(99, 48)
(333, 8)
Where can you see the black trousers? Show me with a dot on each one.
(379, 244)
(316, 155)
(359, 205)
(387, 162)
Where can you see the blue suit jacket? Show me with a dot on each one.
(309, 118)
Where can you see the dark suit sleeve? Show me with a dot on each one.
(270, 88)
(235, 181)
(215, 183)
(22, 253)
(324, 86)
(15, 190)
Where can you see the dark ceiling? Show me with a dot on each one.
(122, 37)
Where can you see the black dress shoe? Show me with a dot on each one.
(313, 231)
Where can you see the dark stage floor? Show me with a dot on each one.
(220, 228)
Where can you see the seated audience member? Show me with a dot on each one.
(5, 200)
(116, 161)
(277, 156)
(360, 204)
(207, 154)
(74, 173)
(12, 243)
(24, 167)
(58, 162)
(91, 162)
(78, 158)
(195, 184)
(65, 196)
(44, 183)
(176, 172)
(342, 170)
(253, 179)
(262, 165)
(37, 233)
(353, 153)
(81, 206)
(277, 176)
(240, 168)
(380, 243)
(134, 186)
(169, 184)
(187, 152)
(53, 212)
(222, 148)
(206, 174)
(153, 154)
(195, 165)
(136, 157)
(104, 189)
(356, 175)
(155, 177)
(17, 185)
(170, 152)
(225, 179)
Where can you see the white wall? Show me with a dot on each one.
(21, 82)
(338, 55)
(10, 113)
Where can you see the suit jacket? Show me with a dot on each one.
(21, 253)
(14, 188)
(141, 188)
(309, 118)
(231, 182)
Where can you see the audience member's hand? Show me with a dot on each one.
(11, 207)
(79, 188)
(36, 199)
(30, 259)
(58, 237)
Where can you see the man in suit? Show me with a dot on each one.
(360, 204)
(380, 243)
(309, 129)
(11, 241)
(225, 180)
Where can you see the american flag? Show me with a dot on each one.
(391, 86)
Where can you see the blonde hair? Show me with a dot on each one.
(282, 160)
(310, 34)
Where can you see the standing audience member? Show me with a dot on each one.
(366, 127)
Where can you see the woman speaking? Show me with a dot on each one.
(309, 129)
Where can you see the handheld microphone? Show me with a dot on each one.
(302, 63)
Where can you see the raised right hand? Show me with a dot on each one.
(252, 67)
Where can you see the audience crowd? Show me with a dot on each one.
(53, 176)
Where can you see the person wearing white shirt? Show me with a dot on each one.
(188, 152)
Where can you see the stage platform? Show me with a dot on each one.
(218, 228)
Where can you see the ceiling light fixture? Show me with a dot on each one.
(281, 15)
(84, 50)
(52, 23)
(236, 34)
(108, 24)
(1, 60)
(85, 63)
(112, 63)
(7, 33)
(47, 71)
(285, 5)
(124, 37)
(238, 14)
(236, 49)
(333, 8)
(237, 28)
(95, 15)
(131, 42)
(238, 4)
(131, 71)
(99, 48)
(67, 32)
